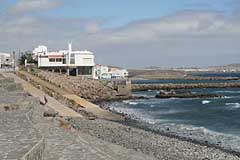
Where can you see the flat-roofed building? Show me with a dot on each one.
(72, 62)
(110, 72)
(6, 60)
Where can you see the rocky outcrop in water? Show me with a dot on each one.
(145, 87)
(187, 94)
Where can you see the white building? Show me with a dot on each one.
(109, 72)
(39, 50)
(72, 62)
(118, 73)
(102, 72)
(6, 60)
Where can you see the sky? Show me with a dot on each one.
(127, 33)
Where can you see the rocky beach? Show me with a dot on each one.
(149, 142)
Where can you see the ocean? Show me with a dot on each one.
(215, 121)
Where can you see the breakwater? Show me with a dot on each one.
(145, 87)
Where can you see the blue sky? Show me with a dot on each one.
(119, 13)
(131, 33)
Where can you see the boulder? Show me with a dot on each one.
(50, 112)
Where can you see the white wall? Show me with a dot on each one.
(84, 60)
(44, 62)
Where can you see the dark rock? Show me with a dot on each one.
(174, 94)
(50, 113)
(92, 118)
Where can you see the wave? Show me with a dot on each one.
(206, 102)
(227, 91)
(144, 95)
(130, 102)
(200, 134)
(152, 106)
(226, 97)
(233, 105)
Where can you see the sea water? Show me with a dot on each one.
(215, 120)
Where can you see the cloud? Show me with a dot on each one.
(181, 25)
(186, 38)
(193, 38)
(25, 6)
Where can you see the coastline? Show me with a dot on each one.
(160, 145)
(98, 127)
(195, 135)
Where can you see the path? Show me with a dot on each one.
(52, 103)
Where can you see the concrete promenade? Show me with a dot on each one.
(52, 103)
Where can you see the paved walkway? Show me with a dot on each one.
(88, 106)
(52, 103)
(69, 144)
(17, 135)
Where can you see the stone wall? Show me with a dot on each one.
(93, 90)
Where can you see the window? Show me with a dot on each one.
(58, 60)
(72, 59)
(52, 60)
(64, 60)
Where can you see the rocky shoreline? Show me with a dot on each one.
(141, 138)
(186, 133)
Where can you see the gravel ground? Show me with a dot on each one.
(161, 147)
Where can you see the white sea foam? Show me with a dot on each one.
(206, 102)
(133, 103)
(130, 102)
(233, 105)
(227, 92)
(226, 97)
(152, 105)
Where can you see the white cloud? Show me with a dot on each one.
(25, 6)
(191, 37)
(180, 25)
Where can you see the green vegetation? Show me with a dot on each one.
(26, 55)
